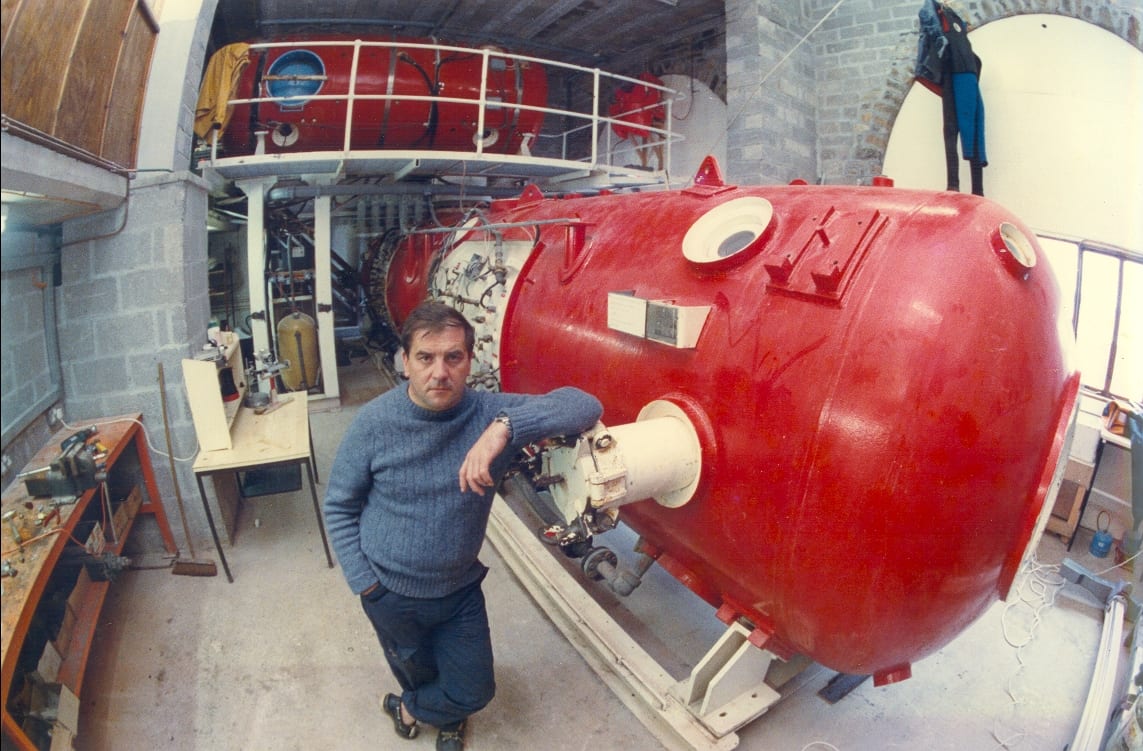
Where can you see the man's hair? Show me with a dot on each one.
(433, 316)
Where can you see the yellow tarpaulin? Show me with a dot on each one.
(218, 86)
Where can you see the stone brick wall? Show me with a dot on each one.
(825, 114)
(865, 54)
(770, 94)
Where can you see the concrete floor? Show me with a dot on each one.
(284, 659)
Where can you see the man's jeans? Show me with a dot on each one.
(439, 650)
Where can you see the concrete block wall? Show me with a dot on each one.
(30, 387)
(25, 371)
(133, 298)
(771, 102)
(134, 290)
(826, 113)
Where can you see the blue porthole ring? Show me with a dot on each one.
(295, 77)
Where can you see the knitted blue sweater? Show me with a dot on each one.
(393, 506)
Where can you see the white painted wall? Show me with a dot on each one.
(165, 134)
(1063, 104)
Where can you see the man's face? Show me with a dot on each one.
(437, 368)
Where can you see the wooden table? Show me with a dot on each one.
(129, 490)
(279, 438)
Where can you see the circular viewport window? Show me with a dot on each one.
(295, 77)
(729, 233)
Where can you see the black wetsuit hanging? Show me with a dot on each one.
(947, 64)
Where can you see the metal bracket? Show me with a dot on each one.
(727, 688)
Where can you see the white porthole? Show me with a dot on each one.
(1015, 249)
(729, 233)
(285, 134)
(489, 139)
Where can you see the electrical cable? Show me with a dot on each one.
(1118, 565)
(1035, 593)
(146, 436)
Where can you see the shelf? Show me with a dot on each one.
(52, 606)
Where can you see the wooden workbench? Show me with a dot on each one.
(26, 632)
(263, 441)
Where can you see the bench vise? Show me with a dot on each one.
(73, 472)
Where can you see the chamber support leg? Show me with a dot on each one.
(727, 688)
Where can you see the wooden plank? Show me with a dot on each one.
(86, 607)
(207, 410)
(36, 57)
(8, 11)
(87, 90)
(125, 109)
(77, 70)
(1065, 512)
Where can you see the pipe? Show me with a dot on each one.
(1093, 721)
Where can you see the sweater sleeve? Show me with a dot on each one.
(563, 411)
(347, 489)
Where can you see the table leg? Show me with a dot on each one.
(317, 510)
(213, 529)
(1087, 493)
(313, 456)
(154, 504)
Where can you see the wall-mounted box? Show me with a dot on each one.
(657, 320)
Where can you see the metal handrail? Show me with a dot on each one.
(594, 120)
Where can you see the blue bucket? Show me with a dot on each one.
(1101, 544)
(1101, 541)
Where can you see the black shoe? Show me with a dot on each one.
(451, 737)
(392, 706)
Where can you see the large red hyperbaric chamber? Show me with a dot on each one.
(878, 377)
(405, 97)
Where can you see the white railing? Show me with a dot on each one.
(1102, 292)
(592, 124)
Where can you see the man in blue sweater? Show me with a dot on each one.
(407, 504)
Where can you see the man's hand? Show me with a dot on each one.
(475, 471)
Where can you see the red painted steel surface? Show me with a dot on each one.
(395, 123)
(882, 394)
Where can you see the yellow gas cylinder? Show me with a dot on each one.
(297, 345)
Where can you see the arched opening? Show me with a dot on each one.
(1062, 126)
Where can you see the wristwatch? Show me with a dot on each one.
(503, 420)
